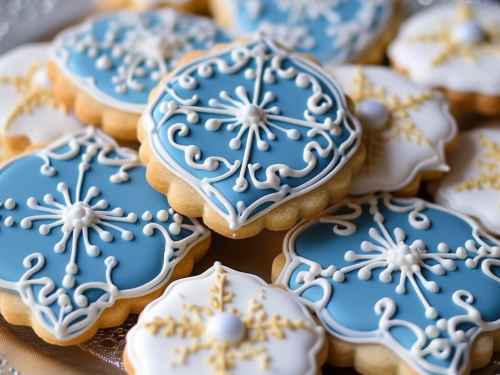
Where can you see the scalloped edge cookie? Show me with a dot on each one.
(187, 201)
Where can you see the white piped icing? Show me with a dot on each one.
(27, 108)
(75, 202)
(219, 323)
(262, 139)
(452, 46)
(406, 127)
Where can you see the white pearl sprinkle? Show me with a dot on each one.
(10, 204)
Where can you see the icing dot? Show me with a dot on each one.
(41, 78)
(442, 324)
(431, 332)
(468, 33)
(175, 229)
(250, 74)
(147, 216)
(68, 281)
(162, 215)
(9, 221)
(10, 204)
(372, 114)
(104, 63)
(226, 327)
(121, 89)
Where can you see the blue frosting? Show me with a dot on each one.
(141, 45)
(350, 304)
(333, 32)
(185, 128)
(140, 265)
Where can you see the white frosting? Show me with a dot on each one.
(45, 123)
(394, 160)
(458, 73)
(189, 302)
(467, 187)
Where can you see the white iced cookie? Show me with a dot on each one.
(473, 184)
(406, 129)
(454, 47)
(225, 322)
(29, 114)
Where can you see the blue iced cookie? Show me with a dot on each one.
(403, 274)
(84, 239)
(250, 136)
(333, 31)
(107, 66)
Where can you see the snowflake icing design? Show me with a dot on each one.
(34, 93)
(253, 117)
(399, 124)
(257, 327)
(67, 310)
(466, 37)
(445, 335)
(348, 37)
(139, 49)
(490, 163)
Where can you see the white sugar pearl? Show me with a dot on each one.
(372, 114)
(226, 327)
(468, 33)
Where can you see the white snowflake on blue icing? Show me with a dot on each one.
(250, 127)
(120, 58)
(408, 274)
(97, 237)
(333, 31)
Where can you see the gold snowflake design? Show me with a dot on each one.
(224, 356)
(490, 162)
(32, 94)
(399, 126)
(490, 45)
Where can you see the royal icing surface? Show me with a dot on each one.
(28, 107)
(251, 127)
(452, 46)
(473, 184)
(333, 31)
(225, 322)
(405, 127)
(73, 236)
(119, 58)
(404, 273)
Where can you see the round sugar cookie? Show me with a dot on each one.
(106, 66)
(250, 135)
(225, 322)
(454, 47)
(29, 112)
(332, 31)
(402, 286)
(84, 239)
(406, 129)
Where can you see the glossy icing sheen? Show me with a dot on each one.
(410, 275)
(474, 180)
(119, 58)
(27, 108)
(75, 234)
(440, 47)
(225, 322)
(412, 135)
(333, 31)
(250, 127)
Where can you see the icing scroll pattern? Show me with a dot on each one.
(423, 290)
(121, 57)
(233, 142)
(74, 249)
(331, 31)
